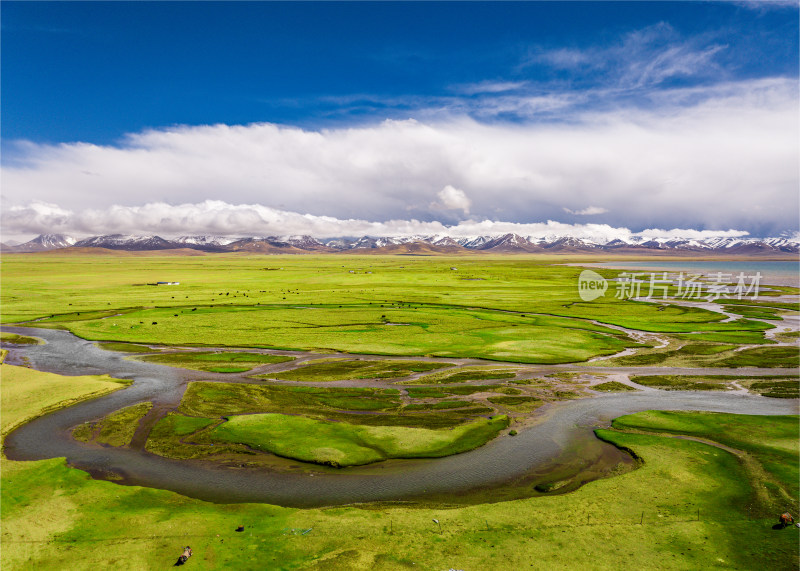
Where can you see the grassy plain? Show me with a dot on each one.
(523, 309)
(462, 374)
(116, 429)
(612, 387)
(216, 361)
(167, 437)
(705, 354)
(682, 382)
(689, 505)
(784, 388)
(330, 425)
(343, 444)
(127, 347)
(779, 386)
(742, 337)
(19, 339)
(762, 357)
(754, 312)
(223, 399)
(774, 444)
(27, 394)
(340, 370)
(209, 409)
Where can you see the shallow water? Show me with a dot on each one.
(562, 442)
(783, 272)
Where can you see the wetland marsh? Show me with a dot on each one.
(297, 388)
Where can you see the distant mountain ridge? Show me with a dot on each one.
(438, 243)
(41, 243)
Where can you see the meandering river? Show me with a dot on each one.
(561, 442)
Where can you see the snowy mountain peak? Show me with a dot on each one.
(50, 241)
(44, 242)
(205, 240)
(510, 242)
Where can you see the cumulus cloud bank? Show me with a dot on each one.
(727, 161)
(220, 218)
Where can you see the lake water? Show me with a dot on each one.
(776, 273)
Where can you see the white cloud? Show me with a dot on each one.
(561, 58)
(220, 218)
(763, 5)
(678, 233)
(641, 58)
(489, 87)
(727, 161)
(451, 198)
(588, 211)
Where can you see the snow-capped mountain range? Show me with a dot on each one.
(42, 242)
(396, 244)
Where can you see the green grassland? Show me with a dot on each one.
(216, 361)
(116, 429)
(704, 354)
(762, 357)
(776, 290)
(682, 382)
(469, 373)
(209, 410)
(511, 400)
(787, 336)
(774, 444)
(169, 438)
(342, 444)
(740, 337)
(689, 505)
(126, 347)
(524, 309)
(612, 387)
(754, 304)
(516, 404)
(357, 328)
(784, 388)
(780, 386)
(19, 339)
(442, 392)
(214, 400)
(442, 404)
(340, 370)
(26, 394)
(753, 312)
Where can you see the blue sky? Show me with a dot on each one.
(88, 87)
